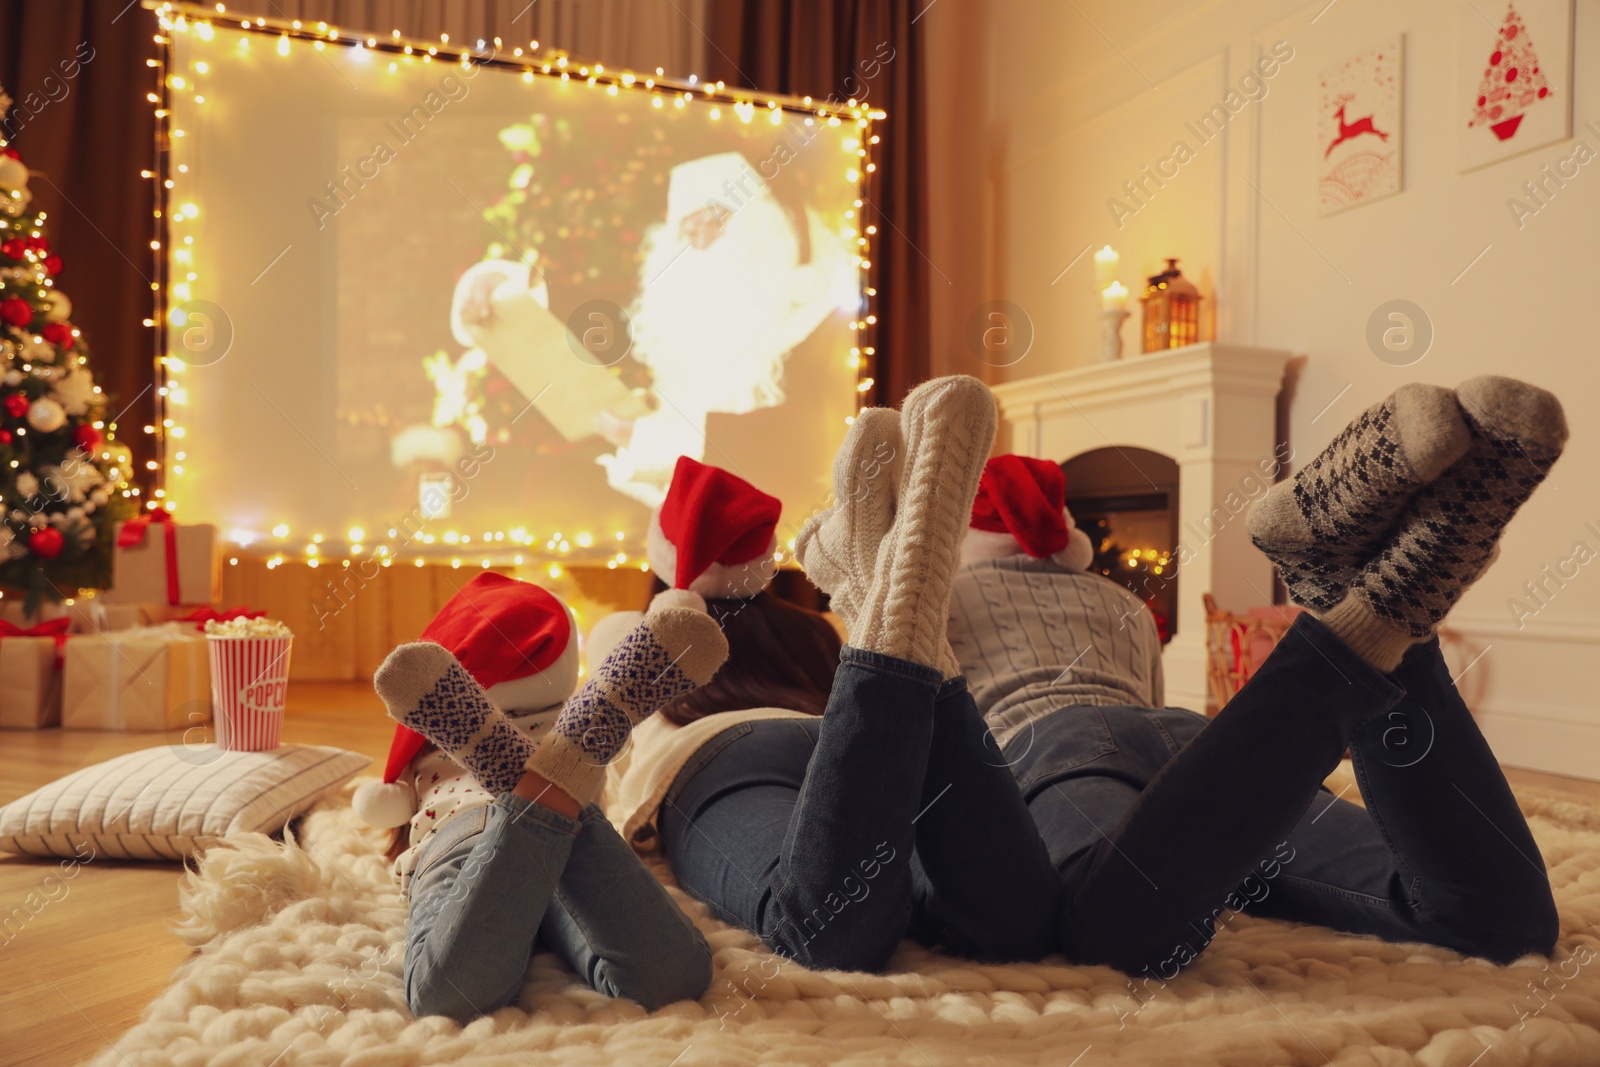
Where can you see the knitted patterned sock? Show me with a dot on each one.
(838, 547)
(948, 426)
(1449, 533)
(424, 687)
(671, 652)
(1323, 525)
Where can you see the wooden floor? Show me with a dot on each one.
(81, 970)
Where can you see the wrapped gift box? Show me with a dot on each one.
(30, 680)
(86, 615)
(158, 561)
(151, 678)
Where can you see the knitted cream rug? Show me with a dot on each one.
(299, 948)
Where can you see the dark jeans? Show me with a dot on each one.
(834, 838)
(1164, 825)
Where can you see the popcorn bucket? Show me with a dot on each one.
(249, 685)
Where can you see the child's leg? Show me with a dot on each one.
(477, 897)
(614, 923)
(499, 892)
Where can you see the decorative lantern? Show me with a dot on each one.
(1171, 310)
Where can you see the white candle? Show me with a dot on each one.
(1105, 266)
(1114, 297)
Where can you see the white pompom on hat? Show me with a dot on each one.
(1021, 508)
(517, 640)
(713, 535)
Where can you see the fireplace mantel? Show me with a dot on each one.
(1212, 408)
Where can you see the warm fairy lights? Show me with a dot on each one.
(179, 271)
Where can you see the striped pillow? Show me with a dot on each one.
(165, 803)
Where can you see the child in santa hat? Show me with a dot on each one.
(506, 845)
(1164, 824)
(834, 801)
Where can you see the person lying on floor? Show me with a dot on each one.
(1162, 824)
(506, 847)
(833, 801)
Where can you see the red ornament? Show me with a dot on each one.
(5, 437)
(12, 152)
(16, 311)
(87, 437)
(16, 248)
(46, 543)
(17, 405)
(58, 334)
(38, 244)
(52, 265)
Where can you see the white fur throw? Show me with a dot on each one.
(299, 948)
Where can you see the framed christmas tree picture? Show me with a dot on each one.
(1515, 83)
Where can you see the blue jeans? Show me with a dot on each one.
(493, 879)
(1164, 824)
(833, 838)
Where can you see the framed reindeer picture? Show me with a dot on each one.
(1358, 143)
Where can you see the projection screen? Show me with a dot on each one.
(459, 298)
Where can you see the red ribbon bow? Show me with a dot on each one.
(133, 532)
(56, 628)
(201, 616)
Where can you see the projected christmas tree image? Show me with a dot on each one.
(1512, 82)
(63, 480)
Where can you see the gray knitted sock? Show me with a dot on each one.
(1323, 525)
(673, 651)
(838, 547)
(1449, 533)
(948, 426)
(428, 690)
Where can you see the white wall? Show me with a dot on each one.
(1051, 107)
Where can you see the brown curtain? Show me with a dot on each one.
(76, 72)
(870, 50)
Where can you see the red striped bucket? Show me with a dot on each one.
(249, 686)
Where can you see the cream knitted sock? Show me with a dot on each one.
(1449, 533)
(948, 427)
(671, 652)
(1323, 525)
(427, 689)
(838, 547)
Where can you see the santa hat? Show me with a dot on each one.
(713, 534)
(516, 640)
(1021, 508)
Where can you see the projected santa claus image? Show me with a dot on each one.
(633, 303)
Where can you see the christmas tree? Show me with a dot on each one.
(1511, 82)
(63, 479)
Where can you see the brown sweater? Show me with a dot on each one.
(1034, 637)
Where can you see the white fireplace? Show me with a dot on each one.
(1211, 408)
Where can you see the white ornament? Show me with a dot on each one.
(57, 307)
(27, 485)
(97, 498)
(13, 175)
(45, 415)
(76, 391)
(13, 377)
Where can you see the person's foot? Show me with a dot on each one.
(948, 427)
(1450, 532)
(838, 547)
(672, 652)
(1323, 525)
(426, 688)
